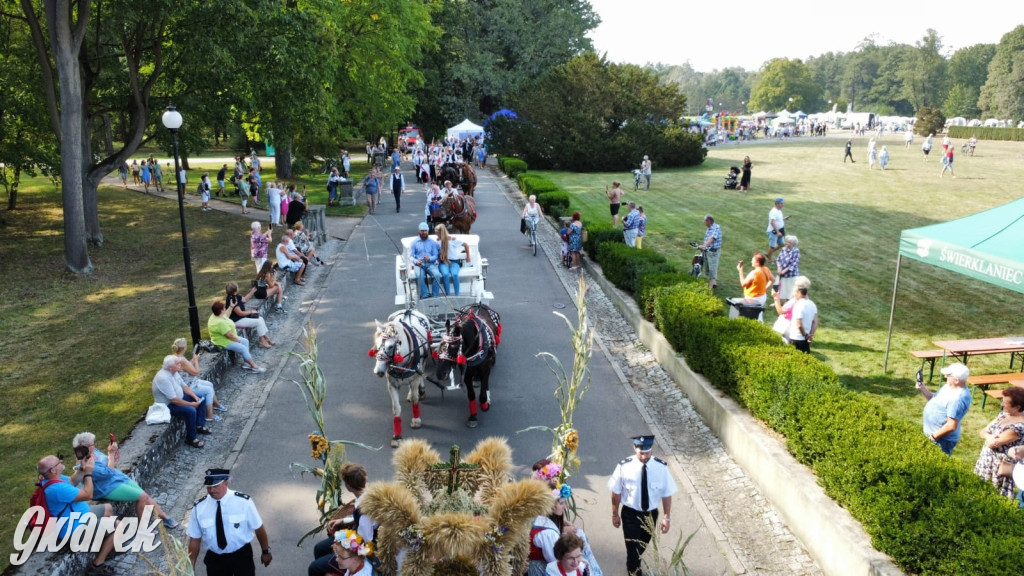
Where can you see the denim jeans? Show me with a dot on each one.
(204, 389)
(323, 553)
(240, 347)
(193, 417)
(421, 278)
(450, 271)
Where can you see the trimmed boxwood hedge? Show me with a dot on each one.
(623, 265)
(555, 203)
(534, 183)
(511, 166)
(927, 511)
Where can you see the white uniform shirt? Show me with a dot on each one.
(625, 482)
(241, 520)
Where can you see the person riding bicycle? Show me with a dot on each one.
(532, 213)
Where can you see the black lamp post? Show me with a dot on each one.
(172, 121)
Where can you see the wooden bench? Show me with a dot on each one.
(929, 356)
(985, 381)
(998, 394)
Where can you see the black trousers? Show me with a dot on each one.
(398, 198)
(637, 535)
(237, 563)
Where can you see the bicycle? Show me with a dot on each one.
(638, 177)
(531, 228)
(698, 260)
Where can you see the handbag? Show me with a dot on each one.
(781, 325)
(522, 225)
(1005, 469)
(158, 413)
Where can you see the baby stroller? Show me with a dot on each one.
(730, 180)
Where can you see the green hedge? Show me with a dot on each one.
(623, 266)
(927, 511)
(511, 166)
(987, 133)
(534, 183)
(599, 233)
(555, 203)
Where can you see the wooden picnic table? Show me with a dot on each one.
(963, 349)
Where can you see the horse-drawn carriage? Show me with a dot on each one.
(441, 339)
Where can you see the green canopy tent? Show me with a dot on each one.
(988, 246)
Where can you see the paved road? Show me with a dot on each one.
(361, 289)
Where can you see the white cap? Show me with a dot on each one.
(957, 370)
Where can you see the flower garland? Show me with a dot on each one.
(494, 535)
(413, 537)
(548, 472)
(353, 542)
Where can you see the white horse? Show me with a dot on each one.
(401, 346)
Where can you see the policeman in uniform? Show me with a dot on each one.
(225, 521)
(638, 484)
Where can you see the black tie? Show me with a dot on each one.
(645, 498)
(222, 540)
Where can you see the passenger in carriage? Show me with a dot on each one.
(424, 252)
(454, 254)
(434, 199)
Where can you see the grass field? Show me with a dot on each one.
(79, 352)
(848, 220)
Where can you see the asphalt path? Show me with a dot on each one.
(360, 290)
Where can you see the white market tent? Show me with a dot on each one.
(465, 129)
(984, 246)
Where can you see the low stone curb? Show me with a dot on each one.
(836, 541)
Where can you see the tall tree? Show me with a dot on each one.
(785, 83)
(1002, 96)
(489, 48)
(924, 78)
(67, 22)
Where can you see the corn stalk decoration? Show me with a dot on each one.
(572, 387)
(330, 453)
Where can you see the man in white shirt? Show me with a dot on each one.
(288, 260)
(776, 228)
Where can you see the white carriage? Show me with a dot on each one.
(473, 290)
(472, 280)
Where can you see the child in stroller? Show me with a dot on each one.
(730, 180)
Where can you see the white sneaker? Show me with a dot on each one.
(259, 369)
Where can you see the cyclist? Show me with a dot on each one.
(532, 214)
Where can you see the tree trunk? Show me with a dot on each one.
(90, 202)
(108, 136)
(66, 41)
(283, 159)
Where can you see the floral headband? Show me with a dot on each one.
(563, 491)
(549, 471)
(353, 542)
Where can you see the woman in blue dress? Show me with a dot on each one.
(146, 177)
(575, 240)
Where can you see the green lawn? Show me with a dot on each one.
(79, 352)
(848, 220)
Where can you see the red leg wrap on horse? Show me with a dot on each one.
(416, 410)
(472, 407)
(398, 425)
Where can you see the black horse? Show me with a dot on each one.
(471, 343)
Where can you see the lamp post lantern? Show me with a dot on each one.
(172, 121)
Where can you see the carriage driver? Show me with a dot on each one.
(424, 253)
(448, 190)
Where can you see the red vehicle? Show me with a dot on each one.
(411, 133)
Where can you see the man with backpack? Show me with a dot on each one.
(62, 498)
